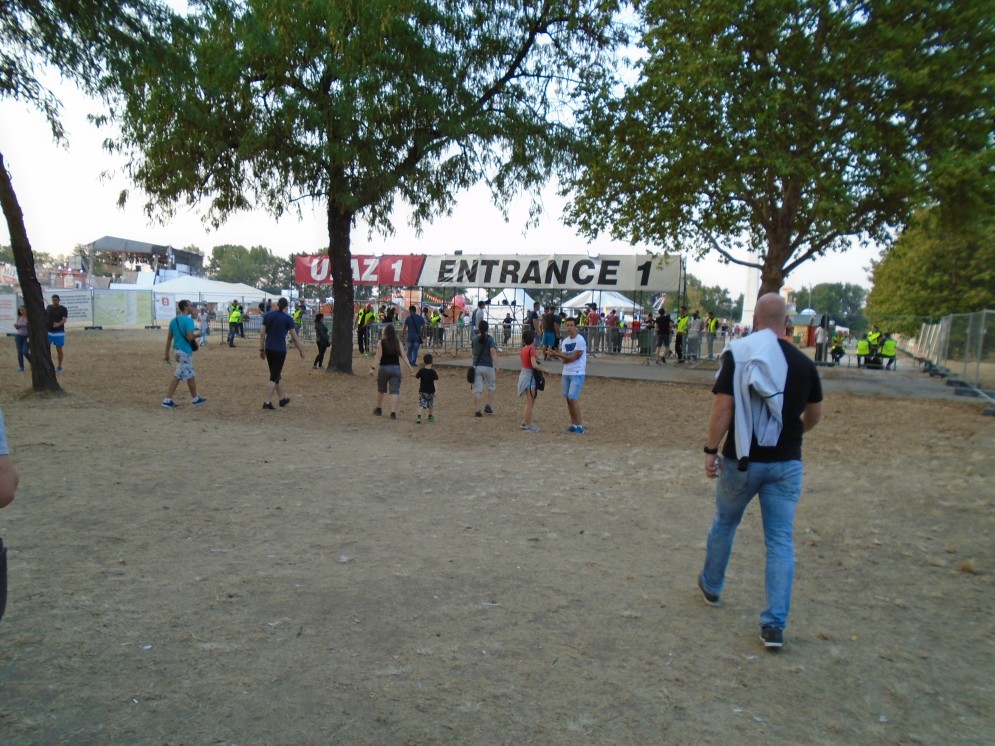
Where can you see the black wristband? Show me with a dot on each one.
(711, 451)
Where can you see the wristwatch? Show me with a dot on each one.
(711, 451)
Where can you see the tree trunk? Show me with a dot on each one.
(780, 234)
(339, 228)
(43, 376)
(772, 274)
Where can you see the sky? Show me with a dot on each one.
(68, 194)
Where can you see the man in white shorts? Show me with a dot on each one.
(181, 334)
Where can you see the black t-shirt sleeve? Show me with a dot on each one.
(723, 381)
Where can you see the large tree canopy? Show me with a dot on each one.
(357, 103)
(775, 131)
(932, 271)
(79, 39)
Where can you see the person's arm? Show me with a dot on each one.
(494, 355)
(718, 425)
(376, 356)
(812, 415)
(8, 481)
(575, 355)
(262, 341)
(297, 342)
(169, 342)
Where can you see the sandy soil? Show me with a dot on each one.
(316, 575)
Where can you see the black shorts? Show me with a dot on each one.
(275, 359)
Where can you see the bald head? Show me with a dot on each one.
(770, 313)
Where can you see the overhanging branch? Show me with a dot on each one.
(715, 246)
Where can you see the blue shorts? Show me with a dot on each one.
(548, 339)
(57, 338)
(572, 386)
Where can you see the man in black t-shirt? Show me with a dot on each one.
(532, 321)
(663, 326)
(774, 472)
(56, 315)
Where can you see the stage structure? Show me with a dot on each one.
(156, 256)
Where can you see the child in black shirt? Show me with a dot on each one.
(426, 389)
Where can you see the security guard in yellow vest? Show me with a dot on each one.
(874, 339)
(364, 321)
(712, 329)
(863, 349)
(234, 320)
(889, 349)
(836, 350)
(434, 319)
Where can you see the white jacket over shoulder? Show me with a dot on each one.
(758, 390)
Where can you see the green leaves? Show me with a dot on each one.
(933, 270)
(358, 102)
(257, 266)
(80, 39)
(787, 128)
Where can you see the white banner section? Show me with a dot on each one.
(77, 303)
(569, 271)
(8, 312)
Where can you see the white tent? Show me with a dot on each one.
(605, 300)
(202, 290)
(518, 296)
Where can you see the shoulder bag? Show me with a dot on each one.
(539, 379)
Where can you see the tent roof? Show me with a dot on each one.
(605, 300)
(202, 289)
(521, 298)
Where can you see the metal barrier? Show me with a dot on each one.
(456, 339)
(960, 345)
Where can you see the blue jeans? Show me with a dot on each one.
(414, 344)
(23, 350)
(779, 485)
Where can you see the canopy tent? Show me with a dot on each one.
(202, 290)
(513, 297)
(604, 299)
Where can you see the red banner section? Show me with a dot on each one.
(395, 271)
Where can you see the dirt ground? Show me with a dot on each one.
(315, 575)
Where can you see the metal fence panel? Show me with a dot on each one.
(962, 343)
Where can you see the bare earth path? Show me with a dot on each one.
(316, 575)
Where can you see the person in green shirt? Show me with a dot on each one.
(889, 349)
(234, 322)
(863, 350)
